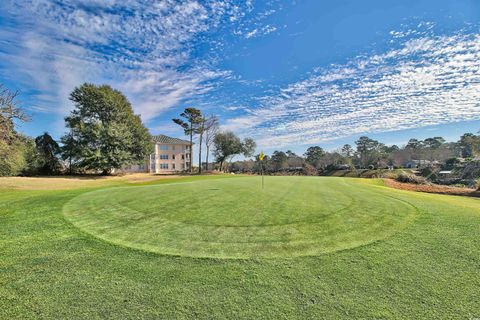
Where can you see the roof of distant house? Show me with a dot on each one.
(163, 139)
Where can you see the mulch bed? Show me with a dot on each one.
(432, 188)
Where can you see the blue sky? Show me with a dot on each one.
(288, 73)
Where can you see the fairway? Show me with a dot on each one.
(220, 247)
(236, 218)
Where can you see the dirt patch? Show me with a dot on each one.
(75, 182)
(432, 188)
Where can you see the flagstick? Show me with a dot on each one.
(260, 157)
(262, 175)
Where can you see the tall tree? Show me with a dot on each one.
(279, 160)
(211, 128)
(370, 151)
(107, 135)
(15, 149)
(69, 150)
(414, 149)
(248, 147)
(348, 153)
(347, 150)
(469, 145)
(10, 111)
(200, 131)
(434, 142)
(227, 145)
(313, 155)
(432, 145)
(47, 150)
(192, 117)
(414, 144)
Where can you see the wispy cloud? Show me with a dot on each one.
(423, 79)
(163, 54)
(257, 32)
(143, 47)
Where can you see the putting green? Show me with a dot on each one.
(235, 218)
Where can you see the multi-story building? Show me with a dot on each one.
(170, 155)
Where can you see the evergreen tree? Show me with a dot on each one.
(47, 151)
(313, 155)
(191, 125)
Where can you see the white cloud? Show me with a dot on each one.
(257, 32)
(425, 80)
(143, 47)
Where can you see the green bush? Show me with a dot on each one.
(12, 160)
(17, 157)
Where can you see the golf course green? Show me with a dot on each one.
(236, 218)
(221, 247)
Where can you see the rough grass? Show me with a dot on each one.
(368, 173)
(76, 182)
(51, 269)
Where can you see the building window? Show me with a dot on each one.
(173, 147)
(163, 147)
(182, 166)
(173, 166)
(164, 156)
(163, 165)
(183, 157)
(173, 156)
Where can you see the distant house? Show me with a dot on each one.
(169, 155)
(445, 173)
(420, 164)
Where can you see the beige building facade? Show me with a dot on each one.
(170, 155)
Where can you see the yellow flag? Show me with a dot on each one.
(261, 156)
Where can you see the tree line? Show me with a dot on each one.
(103, 135)
(370, 154)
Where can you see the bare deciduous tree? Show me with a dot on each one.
(211, 127)
(10, 111)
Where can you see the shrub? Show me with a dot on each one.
(429, 173)
(411, 178)
(309, 170)
(388, 174)
(16, 158)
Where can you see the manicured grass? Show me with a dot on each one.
(236, 218)
(417, 255)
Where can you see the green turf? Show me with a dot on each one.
(236, 218)
(426, 266)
